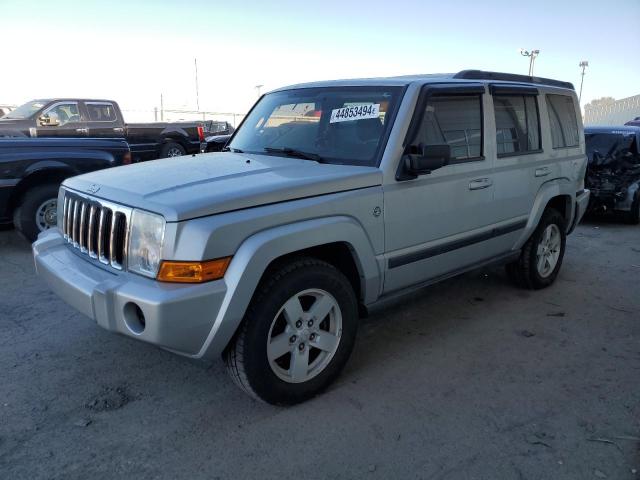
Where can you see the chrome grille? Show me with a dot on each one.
(97, 228)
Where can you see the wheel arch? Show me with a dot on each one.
(558, 194)
(37, 177)
(174, 137)
(333, 239)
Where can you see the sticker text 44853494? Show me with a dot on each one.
(358, 112)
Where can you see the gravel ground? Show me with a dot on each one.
(470, 378)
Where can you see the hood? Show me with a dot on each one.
(181, 188)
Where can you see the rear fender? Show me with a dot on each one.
(547, 192)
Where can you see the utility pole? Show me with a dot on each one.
(258, 87)
(161, 108)
(583, 64)
(532, 58)
(195, 60)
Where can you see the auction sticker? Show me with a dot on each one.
(357, 112)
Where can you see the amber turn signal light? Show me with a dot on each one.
(193, 272)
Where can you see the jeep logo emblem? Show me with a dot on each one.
(93, 188)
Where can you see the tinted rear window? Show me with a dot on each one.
(101, 112)
(562, 121)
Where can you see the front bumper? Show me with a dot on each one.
(175, 317)
(582, 203)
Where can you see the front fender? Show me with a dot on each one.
(547, 191)
(48, 165)
(258, 251)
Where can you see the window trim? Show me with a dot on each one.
(445, 90)
(517, 91)
(86, 104)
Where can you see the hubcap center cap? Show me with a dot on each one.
(304, 335)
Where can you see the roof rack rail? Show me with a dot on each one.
(511, 77)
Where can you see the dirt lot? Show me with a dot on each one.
(468, 379)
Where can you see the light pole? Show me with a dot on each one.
(532, 58)
(583, 64)
(195, 61)
(258, 87)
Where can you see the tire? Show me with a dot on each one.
(172, 149)
(274, 377)
(633, 216)
(526, 272)
(32, 201)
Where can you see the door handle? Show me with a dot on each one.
(82, 130)
(542, 171)
(118, 129)
(480, 183)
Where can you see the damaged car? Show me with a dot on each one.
(613, 172)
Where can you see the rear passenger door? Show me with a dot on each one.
(437, 223)
(103, 120)
(520, 162)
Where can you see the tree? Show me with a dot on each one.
(601, 102)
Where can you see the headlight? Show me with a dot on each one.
(145, 243)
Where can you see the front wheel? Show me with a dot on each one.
(297, 335)
(541, 257)
(37, 211)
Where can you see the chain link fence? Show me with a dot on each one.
(175, 115)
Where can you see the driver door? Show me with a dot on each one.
(66, 120)
(439, 223)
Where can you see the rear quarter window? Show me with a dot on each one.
(562, 121)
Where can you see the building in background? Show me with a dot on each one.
(608, 111)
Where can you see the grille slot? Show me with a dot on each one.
(96, 228)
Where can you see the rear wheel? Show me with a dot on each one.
(172, 149)
(297, 334)
(541, 257)
(37, 211)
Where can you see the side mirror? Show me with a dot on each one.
(49, 120)
(423, 159)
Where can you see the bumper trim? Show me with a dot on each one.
(178, 317)
(582, 202)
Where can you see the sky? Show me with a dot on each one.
(134, 51)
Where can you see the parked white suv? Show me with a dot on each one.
(331, 197)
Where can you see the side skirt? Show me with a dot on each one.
(393, 297)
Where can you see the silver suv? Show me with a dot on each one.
(330, 198)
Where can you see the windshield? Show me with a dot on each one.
(612, 150)
(344, 125)
(25, 111)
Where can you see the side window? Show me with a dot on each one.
(517, 124)
(101, 112)
(562, 121)
(454, 120)
(66, 112)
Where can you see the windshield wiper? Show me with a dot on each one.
(292, 152)
(231, 149)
